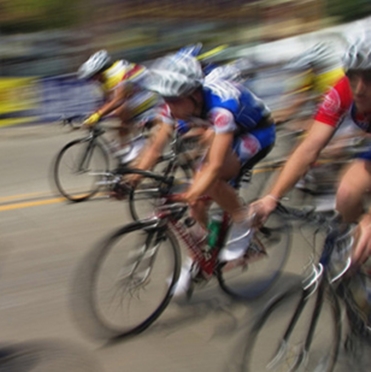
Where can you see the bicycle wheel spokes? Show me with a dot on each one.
(145, 197)
(77, 167)
(128, 282)
(263, 262)
(273, 346)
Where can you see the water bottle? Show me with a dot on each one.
(213, 228)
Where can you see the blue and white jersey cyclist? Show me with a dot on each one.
(232, 108)
(241, 129)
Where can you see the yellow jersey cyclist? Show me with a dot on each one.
(125, 96)
(314, 72)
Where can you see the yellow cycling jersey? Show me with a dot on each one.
(317, 84)
(121, 72)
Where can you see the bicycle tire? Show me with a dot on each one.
(131, 262)
(144, 198)
(69, 185)
(274, 352)
(272, 244)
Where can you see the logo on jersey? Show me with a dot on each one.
(221, 120)
(249, 146)
(331, 102)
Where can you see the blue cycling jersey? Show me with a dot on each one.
(246, 108)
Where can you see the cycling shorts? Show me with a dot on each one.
(247, 145)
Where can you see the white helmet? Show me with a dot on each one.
(320, 56)
(97, 62)
(358, 56)
(175, 75)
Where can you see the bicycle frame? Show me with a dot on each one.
(316, 283)
(170, 215)
(207, 260)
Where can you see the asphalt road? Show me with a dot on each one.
(43, 239)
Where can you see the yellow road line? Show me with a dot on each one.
(9, 207)
(23, 196)
(36, 203)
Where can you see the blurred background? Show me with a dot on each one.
(42, 42)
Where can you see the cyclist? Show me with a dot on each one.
(241, 128)
(123, 85)
(316, 71)
(351, 97)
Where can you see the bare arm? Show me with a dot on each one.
(153, 151)
(296, 166)
(120, 95)
(302, 158)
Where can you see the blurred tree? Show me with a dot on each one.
(347, 10)
(35, 15)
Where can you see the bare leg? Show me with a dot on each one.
(222, 193)
(355, 183)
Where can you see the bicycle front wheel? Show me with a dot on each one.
(264, 260)
(126, 282)
(77, 167)
(278, 340)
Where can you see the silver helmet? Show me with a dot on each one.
(175, 75)
(97, 62)
(321, 56)
(358, 56)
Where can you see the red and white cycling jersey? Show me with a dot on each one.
(337, 104)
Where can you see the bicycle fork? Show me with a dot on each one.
(283, 348)
(85, 161)
(141, 262)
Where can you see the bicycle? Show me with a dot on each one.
(301, 328)
(82, 167)
(143, 258)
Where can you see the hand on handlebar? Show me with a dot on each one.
(92, 120)
(262, 208)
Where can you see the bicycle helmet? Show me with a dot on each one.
(96, 63)
(175, 75)
(358, 56)
(320, 56)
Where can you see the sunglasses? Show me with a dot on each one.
(173, 99)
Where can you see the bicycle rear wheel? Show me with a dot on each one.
(76, 168)
(277, 343)
(263, 262)
(126, 282)
(144, 198)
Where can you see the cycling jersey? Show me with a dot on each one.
(337, 104)
(318, 83)
(230, 107)
(233, 108)
(123, 72)
(141, 103)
